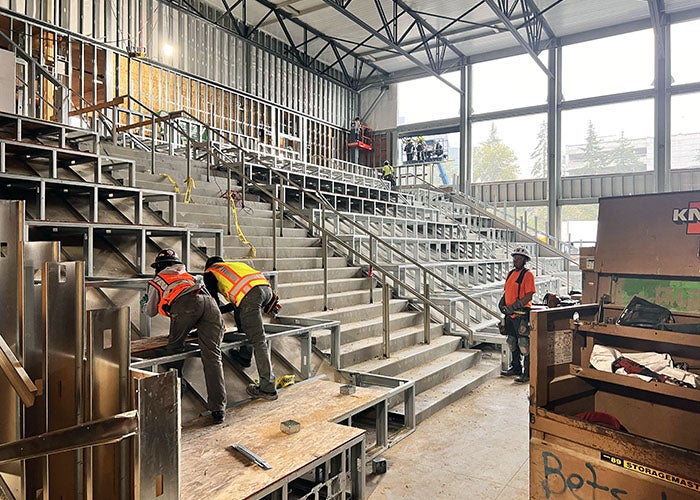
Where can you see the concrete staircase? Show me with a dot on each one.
(442, 370)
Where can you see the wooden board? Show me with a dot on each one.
(211, 470)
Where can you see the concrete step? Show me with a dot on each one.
(434, 399)
(406, 359)
(265, 263)
(436, 371)
(303, 289)
(241, 251)
(252, 207)
(342, 305)
(352, 313)
(310, 275)
(372, 347)
(369, 326)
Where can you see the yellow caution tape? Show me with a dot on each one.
(241, 236)
(284, 381)
(190, 187)
(172, 181)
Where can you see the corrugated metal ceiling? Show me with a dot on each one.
(381, 38)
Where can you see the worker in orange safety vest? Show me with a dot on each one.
(175, 293)
(515, 304)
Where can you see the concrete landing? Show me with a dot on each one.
(476, 448)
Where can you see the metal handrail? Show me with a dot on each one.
(448, 287)
(484, 209)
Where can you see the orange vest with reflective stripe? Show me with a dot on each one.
(169, 287)
(235, 279)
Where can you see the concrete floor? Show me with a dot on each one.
(475, 448)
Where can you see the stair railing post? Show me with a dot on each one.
(153, 145)
(324, 254)
(426, 312)
(385, 317)
(115, 124)
(370, 270)
(230, 201)
(274, 228)
(210, 153)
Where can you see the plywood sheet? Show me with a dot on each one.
(211, 470)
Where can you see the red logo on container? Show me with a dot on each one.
(689, 216)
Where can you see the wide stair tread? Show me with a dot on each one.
(434, 399)
(411, 356)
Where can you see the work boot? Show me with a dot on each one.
(240, 359)
(512, 371)
(525, 377)
(217, 417)
(515, 367)
(255, 392)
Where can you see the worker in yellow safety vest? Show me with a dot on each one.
(248, 293)
(178, 295)
(388, 174)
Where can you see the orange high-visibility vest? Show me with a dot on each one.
(235, 279)
(169, 287)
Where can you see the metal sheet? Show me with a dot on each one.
(11, 236)
(63, 299)
(108, 394)
(35, 253)
(159, 429)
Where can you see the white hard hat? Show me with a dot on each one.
(521, 251)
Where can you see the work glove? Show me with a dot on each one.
(502, 304)
(518, 304)
(144, 300)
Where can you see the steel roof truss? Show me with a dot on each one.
(501, 14)
(343, 10)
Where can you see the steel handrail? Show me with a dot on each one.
(474, 204)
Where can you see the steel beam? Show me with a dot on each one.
(345, 12)
(106, 430)
(516, 34)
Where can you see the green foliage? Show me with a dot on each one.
(539, 154)
(623, 158)
(595, 157)
(494, 161)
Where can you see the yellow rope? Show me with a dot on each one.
(241, 236)
(190, 187)
(172, 181)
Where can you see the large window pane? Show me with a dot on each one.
(511, 148)
(685, 40)
(428, 99)
(512, 82)
(579, 224)
(615, 138)
(685, 131)
(608, 65)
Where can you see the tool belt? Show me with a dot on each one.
(273, 305)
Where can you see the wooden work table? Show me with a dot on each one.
(210, 469)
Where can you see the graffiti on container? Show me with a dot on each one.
(557, 482)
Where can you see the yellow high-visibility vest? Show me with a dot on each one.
(235, 279)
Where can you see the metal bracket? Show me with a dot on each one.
(16, 374)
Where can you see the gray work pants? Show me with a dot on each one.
(252, 325)
(199, 310)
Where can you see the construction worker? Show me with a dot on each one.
(515, 304)
(247, 291)
(175, 293)
(388, 173)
